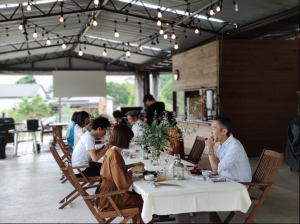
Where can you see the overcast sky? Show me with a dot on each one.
(46, 80)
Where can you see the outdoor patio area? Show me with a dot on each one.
(30, 191)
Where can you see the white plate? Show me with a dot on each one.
(172, 182)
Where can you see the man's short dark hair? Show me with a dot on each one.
(117, 114)
(148, 97)
(224, 123)
(121, 136)
(81, 117)
(100, 122)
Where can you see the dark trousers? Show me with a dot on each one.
(92, 171)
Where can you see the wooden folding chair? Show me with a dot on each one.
(102, 215)
(82, 179)
(262, 179)
(197, 150)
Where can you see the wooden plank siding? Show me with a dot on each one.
(259, 80)
(197, 67)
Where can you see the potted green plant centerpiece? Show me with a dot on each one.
(157, 136)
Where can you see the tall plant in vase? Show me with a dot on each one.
(157, 136)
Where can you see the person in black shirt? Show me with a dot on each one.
(118, 117)
(152, 105)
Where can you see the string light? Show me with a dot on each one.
(96, 2)
(185, 34)
(43, 31)
(7, 31)
(95, 22)
(116, 33)
(161, 31)
(64, 46)
(236, 7)
(211, 12)
(127, 53)
(166, 36)
(196, 31)
(159, 14)
(104, 53)
(158, 22)
(79, 18)
(80, 53)
(126, 20)
(140, 24)
(140, 47)
(176, 46)
(61, 12)
(48, 42)
(28, 6)
(173, 36)
(218, 9)
(21, 26)
(35, 34)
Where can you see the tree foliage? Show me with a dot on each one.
(124, 93)
(31, 108)
(166, 90)
(27, 79)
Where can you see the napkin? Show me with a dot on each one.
(198, 178)
(220, 179)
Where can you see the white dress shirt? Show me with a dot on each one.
(234, 163)
(137, 130)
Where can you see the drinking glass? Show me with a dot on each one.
(176, 156)
(167, 157)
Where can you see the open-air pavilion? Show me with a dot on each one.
(237, 58)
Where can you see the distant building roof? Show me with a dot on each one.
(19, 90)
(129, 79)
(84, 102)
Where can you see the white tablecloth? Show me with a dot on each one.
(195, 196)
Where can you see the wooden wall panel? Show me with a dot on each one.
(197, 67)
(258, 84)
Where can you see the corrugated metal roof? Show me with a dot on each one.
(19, 90)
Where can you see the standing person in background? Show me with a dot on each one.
(71, 123)
(118, 117)
(152, 106)
(82, 126)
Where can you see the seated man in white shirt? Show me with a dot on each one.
(85, 152)
(234, 163)
(132, 117)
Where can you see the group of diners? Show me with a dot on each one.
(116, 175)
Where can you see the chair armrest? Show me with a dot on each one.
(76, 167)
(103, 194)
(95, 185)
(68, 147)
(256, 184)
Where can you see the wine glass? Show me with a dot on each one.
(176, 156)
(167, 157)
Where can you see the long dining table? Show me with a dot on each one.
(193, 196)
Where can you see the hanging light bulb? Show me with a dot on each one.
(64, 46)
(211, 12)
(196, 31)
(104, 53)
(236, 7)
(140, 47)
(28, 7)
(61, 19)
(95, 23)
(173, 36)
(48, 42)
(96, 2)
(218, 9)
(159, 14)
(166, 36)
(158, 22)
(176, 46)
(80, 53)
(127, 53)
(35, 34)
(161, 31)
(20, 26)
(116, 34)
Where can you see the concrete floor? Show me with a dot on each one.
(30, 190)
